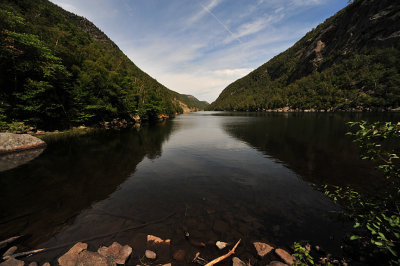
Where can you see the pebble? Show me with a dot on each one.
(221, 245)
(150, 254)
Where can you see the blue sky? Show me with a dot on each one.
(199, 47)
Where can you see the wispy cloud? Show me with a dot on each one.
(203, 11)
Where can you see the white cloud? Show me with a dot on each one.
(203, 11)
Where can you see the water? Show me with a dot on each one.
(219, 176)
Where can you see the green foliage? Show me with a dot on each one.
(376, 213)
(59, 70)
(302, 255)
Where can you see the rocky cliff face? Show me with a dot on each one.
(349, 61)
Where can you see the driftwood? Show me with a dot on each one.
(215, 261)
(16, 255)
(4, 243)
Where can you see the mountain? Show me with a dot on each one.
(349, 62)
(58, 69)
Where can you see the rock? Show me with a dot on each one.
(70, 258)
(46, 264)
(276, 263)
(237, 262)
(9, 251)
(262, 248)
(116, 252)
(285, 256)
(150, 254)
(168, 264)
(157, 240)
(88, 258)
(33, 264)
(179, 255)
(12, 262)
(221, 245)
(18, 142)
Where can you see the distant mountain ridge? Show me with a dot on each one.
(58, 69)
(349, 62)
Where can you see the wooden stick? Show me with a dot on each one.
(211, 263)
(90, 238)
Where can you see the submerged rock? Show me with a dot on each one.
(116, 252)
(262, 248)
(179, 255)
(285, 256)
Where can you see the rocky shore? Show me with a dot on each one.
(117, 254)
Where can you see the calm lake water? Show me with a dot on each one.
(218, 175)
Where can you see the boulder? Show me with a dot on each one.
(116, 252)
(150, 254)
(262, 248)
(18, 142)
(46, 264)
(70, 258)
(285, 256)
(33, 263)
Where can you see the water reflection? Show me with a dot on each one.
(313, 145)
(221, 176)
(40, 198)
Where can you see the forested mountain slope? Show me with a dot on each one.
(58, 69)
(349, 62)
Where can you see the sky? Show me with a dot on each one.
(199, 47)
